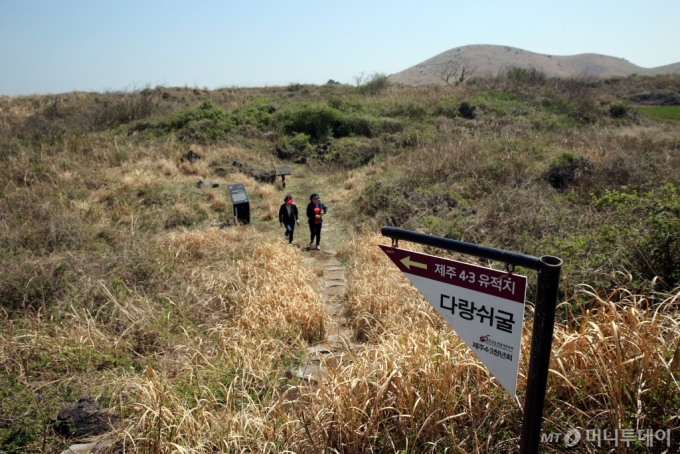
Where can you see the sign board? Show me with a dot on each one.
(282, 170)
(238, 193)
(484, 306)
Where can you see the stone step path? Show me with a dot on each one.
(339, 345)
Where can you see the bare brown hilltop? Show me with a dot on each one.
(491, 59)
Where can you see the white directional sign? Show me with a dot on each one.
(484, 306)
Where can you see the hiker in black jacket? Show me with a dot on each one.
(288, 217)
(315, 212)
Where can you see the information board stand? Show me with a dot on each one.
(239, 198)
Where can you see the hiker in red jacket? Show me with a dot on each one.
(288, 217)
(315, 212)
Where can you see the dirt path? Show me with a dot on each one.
(339, 343)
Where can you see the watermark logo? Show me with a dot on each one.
(599, 437)
(571, 437)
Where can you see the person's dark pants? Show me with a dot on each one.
(315, 232)
(290, 229)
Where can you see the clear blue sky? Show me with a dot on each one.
(50, 46)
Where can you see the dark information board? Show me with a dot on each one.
(239, 198)
(238, 193)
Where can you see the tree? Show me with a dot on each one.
(453, 72)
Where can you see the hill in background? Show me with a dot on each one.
(490, 60)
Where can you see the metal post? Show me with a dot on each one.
(539, 359)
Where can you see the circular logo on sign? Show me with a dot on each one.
(572, 437)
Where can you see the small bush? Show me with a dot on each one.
(322, 123)
(346, 104)
(391, 125)
(467, 111)
(316, 121)
(356, 125)
(374, 84)
(446, 108)
(296, 148)
(407, 109)
(256, 113)
(618, 111)
(205, 124)
(353, 152)
(566, 169)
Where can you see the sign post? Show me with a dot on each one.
(282, 170)
(421, 269)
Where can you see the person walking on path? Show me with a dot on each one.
(315, 212)
(288, 217)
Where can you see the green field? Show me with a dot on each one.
(667, 114)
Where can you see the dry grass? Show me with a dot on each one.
(199, 168)
(270, 204)
(416, 387)
(218, 202)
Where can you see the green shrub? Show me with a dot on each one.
(357, 125)
(391, 125)
(319, 122)
(618, 111)
(346, 104)
(567, 169)
(447, 109)
(373, 85)
(296, 148)
(407, 109)
(516, 75)
(621, 236)
(647, 225)
(353, 152)
(204, 131)
(257, 113)
(208, 111)
(322, 123)
(207, 123)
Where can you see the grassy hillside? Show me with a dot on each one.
(121, 279)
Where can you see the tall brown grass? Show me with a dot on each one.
(415, 387)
